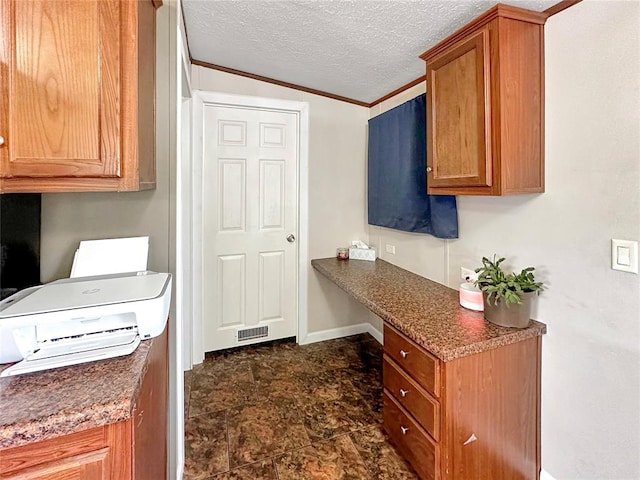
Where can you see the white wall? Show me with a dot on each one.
(336, 185)
(591, 355)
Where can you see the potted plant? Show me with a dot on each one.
(507, 297)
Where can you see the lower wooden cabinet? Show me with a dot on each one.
(98, 453)
(413, 442)
(412, 397)
(133, 449)
(481, 422)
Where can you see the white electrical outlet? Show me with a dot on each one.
(624, 255)
(390, 249)
(468, 275)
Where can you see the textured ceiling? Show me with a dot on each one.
(360, 49)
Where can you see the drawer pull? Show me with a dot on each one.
(404, 354)
(471, 439)
(404, 430)
(404, 392)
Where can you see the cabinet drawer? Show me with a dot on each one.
(411, 440)
(423, 367)
(424, 408)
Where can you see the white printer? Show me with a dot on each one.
(78, 320)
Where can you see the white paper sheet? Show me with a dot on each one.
(114, 255)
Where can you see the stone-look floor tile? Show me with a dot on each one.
(359, 338)
(335, 459)
(280, 346)
(212, 372)
(187, 391)
(333, 405)
(215, 388)
(292, 389)
(327, 385)
(278, 399)
(380, 458)
(206, 448)
(224, 367)
(374, 403)
(287, 354)
(252, 352)
(369, 386)
(248, 352)
(327, 344)
(261, 430)
(369, 355)
(279, 365)
(256, 471)
(326, 419)
(332, 357)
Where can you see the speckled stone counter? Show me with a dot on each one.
(425, 311)
(43, 405)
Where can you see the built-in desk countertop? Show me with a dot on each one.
(52, 403)
(425, 311)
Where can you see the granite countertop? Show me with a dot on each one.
(43, 405)
(425, 311)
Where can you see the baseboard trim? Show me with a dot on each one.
(332, 333)
(544, 475)
(375, 333)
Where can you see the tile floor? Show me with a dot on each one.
(290, 412)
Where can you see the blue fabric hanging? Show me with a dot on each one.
(397, 188)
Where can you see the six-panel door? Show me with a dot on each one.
(250, 223)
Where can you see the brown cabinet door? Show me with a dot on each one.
(150, 415)
(86, 466)
(88, 454)
(491, 419)
(459, 115)
(60, 84)
(410, 439)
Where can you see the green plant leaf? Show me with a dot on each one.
(499, 285)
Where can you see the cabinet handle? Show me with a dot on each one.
(404, 354)
(429, 169)
(1, 141)
(404, 392)
(404, 430)
(471, 439)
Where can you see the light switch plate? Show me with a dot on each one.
(624, 255)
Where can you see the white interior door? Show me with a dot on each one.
(250, 225)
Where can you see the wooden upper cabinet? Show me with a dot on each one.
(461, 118)
(485, 106)
(78, 95)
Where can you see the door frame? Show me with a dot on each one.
(301, 109)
